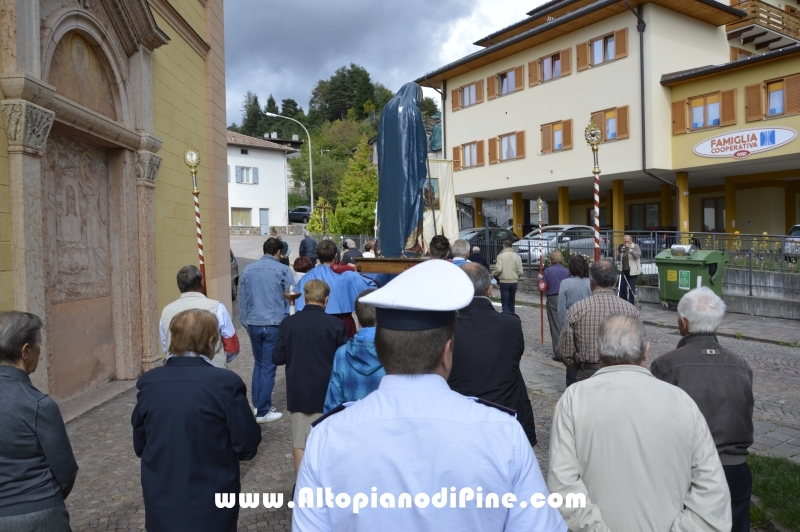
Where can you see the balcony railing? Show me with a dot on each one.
(768, 17)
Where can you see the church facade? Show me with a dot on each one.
(100, 99)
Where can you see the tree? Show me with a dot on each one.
(290, 108)
(252, 116)
(358, 192)
(381, 96)
(269, 124)
(428, 107)
(348, 88)
(315, 223)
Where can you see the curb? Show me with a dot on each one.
(755, 502)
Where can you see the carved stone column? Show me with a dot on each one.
(27, 127)
(147, 166)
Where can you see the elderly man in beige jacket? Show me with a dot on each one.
(637, 449)
(508, 269)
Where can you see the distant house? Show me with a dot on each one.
(257, 184)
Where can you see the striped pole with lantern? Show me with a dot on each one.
(542, 282)
(192, 159)
(593, 137)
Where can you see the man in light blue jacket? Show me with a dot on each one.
(357, 372)
(262, 308)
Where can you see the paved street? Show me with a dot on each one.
(107, 494)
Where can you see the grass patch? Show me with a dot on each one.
(776, 481)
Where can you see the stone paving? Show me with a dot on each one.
(107, 493)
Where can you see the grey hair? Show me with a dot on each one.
(306, 233)
(16, 330)
(476, 249)
(621, 340)
(480, 277)
(603, 274)
(460, 248)
(703, 309)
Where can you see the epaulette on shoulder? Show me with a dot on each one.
(330, 413)
(509, 411)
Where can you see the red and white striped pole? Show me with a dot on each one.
(192, 159)
(539, 205)
(593, 136)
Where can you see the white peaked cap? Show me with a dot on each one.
(425, 296)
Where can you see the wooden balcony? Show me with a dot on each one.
(766, 26)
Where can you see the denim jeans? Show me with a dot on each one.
(263, 341)
(508, 295)
(740, 484)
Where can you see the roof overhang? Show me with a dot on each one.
(679, 78)
(572, 15)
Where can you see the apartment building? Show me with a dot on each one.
(516, 110)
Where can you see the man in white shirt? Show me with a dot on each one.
(414, 455)
(637, 448)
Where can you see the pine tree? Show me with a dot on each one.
(252, 116)
(358, 192)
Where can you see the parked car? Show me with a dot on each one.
(234, 277)
(792, 246)
(300, 215)
(575, 238)
(476, 236)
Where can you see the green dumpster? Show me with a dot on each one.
(683, 267)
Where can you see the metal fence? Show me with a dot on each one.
(359, 240)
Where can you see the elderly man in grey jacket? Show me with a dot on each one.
(636, 450)
(721, 383)
(630, 255)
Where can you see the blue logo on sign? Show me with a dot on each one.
(768, 138)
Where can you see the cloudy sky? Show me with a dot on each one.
(284, 48)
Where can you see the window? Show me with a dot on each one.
(713, 215)
(506, 147)
(467, 95)
(705, 111)
(602, 49)
(245, 151)
(240, 217)
(247, 174)
(645, 215)
(468, 155)
(613, 123)
(775, 98)
(702, 112)
(505, 82)
(550, 67)
(556, 136)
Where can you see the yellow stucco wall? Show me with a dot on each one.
(179, 104)
(6, 259)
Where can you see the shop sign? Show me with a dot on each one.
(742, 144)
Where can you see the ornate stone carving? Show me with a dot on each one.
(27, 124)
(147, 166)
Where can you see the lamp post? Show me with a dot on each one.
(192, 159)
(310, 162)
(593, 136)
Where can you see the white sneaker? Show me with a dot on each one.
(271, 416)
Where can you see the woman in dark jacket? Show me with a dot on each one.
(37, 467)
(191, 426)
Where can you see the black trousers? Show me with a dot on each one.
(572, 376)
(740, 484)
(624, 293)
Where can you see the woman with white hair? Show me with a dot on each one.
(721, 383)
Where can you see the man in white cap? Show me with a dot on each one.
(414, 455)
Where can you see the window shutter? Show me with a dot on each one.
(679, 117)
(566, 134)
(727, 111)
(255, 175)
(753, 102)
(479, 159)
(479, 91)
(456, 99)
(519, 72)
(493, 150)
(566, 62)
(491, 84)
(533, 73)
(238, 171)
(621, 43)
(623, 124)
(456, 158)
(582, 53)
(791, 87)
(229, 173)
(599, 119)
(547, 138)
(520, 145)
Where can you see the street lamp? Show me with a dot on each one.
(310, 163)
(593, 136)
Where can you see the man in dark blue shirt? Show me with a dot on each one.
(553, 276)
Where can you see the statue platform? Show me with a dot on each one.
(383, 265)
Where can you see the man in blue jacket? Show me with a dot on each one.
(357, 372)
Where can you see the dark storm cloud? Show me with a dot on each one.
(284, 48)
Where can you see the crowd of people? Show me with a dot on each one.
(421, 392)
